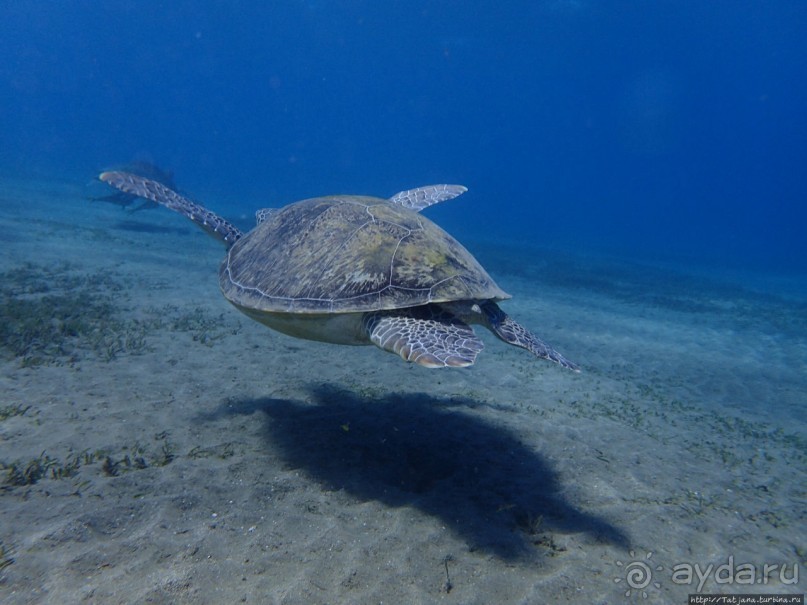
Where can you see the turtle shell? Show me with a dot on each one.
(345, 253)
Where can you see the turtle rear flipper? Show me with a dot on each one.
(157, 192)
(512, 332)
(264, 213)
(426, 335)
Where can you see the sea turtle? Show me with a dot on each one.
(356, 270)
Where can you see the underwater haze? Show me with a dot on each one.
(664, 129)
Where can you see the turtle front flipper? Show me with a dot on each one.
(423, 197)
(512, 332)
(426, 335)
(157, 192)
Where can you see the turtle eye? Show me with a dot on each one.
(476, 308)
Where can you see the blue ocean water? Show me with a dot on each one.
(667, 129)
(637, 181)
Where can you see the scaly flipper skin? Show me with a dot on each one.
(512, 332)
(426, 335)
(423, 197)
(263, 214)
(157, 192)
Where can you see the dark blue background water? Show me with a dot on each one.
(647, 128)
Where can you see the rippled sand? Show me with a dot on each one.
(169, 450)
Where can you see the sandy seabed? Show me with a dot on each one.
(158, 447)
